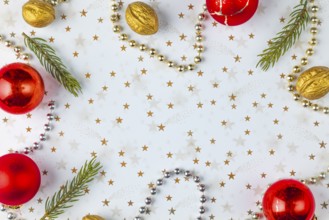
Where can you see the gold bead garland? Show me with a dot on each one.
(293, 76)
(18, 50)
(115, 18)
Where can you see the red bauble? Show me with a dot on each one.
(288, 199)
(20, 179)
(21, 88)
(232, 12)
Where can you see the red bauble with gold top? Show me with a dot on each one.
(288, 199)
(21, 88)
(232, 12)
(20, 179)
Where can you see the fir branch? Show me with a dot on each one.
(71, 191)
(52, 63)
(286, 38)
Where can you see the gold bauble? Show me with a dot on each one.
(313, 83)
(142, 18)
(38, 13)
(92, 217)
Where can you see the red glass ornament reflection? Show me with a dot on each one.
(232, 12)
(20, 179)
(288, 199)
(21, 88)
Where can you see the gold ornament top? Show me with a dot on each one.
(142, 18)
(38, 13)
(314, 83)
(92, 217)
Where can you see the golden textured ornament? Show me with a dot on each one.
(313, 83)
(142, 18)
(92, 217)
(38, 13)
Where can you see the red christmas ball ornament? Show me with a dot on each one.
(288, 199)
(232, 12)
(20, 179)
(21, 88)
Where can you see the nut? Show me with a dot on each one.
(142, 18)
(313, 83)
(92, 217)
(38, 13)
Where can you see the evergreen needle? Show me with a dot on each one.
(52, 63)
(71, 191)
(286, 38)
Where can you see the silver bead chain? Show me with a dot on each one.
(145, 209)
(28, 150)
(37, 145)
(117, 28)
(304, 61)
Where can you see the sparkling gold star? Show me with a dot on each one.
(83, 13)
(182, 37)
(87, 75)
(237, 58)
(110, 182)
(104, 141)
(121, 153)
(181, 15)
(161, 127)
(231, 176)
(322, 144)
(169, 43)
(106, 202)
(140, 174)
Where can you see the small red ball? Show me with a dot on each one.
(232, 12)
(288, 199)
(21, 88)
(20, 179)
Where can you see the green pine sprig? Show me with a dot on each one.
(286, 38)
(52, 63)
(71, 191)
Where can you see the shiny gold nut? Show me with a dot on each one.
(142, 18)
(92, 217)
(38, 13)
(313, 83)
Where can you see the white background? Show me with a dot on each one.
(76, 135)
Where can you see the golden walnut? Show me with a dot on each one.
(142, 18)
(38, 13)
(314, 83)
(92, 217)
